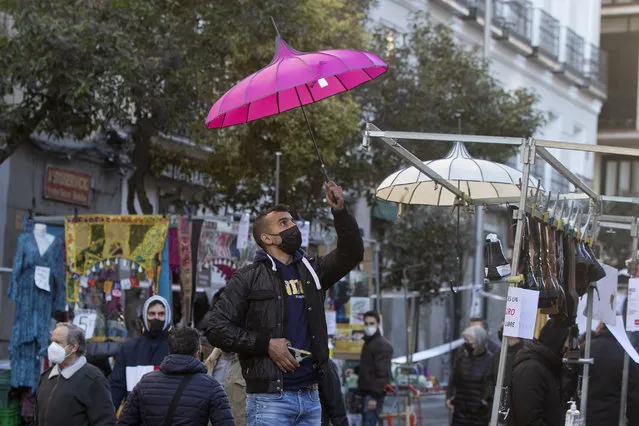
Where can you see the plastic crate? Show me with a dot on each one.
(10, 416)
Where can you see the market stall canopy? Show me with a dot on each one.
(479, 179)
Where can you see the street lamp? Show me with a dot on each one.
(278, 154)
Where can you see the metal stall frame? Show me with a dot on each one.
(529, 149)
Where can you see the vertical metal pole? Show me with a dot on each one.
(624, 389)
(626, 360)
(405, 285)
(586, 373)
(277, 177)
(527, 156)
(378, 291)
(478, 275)
(413, 302)
(488, 27)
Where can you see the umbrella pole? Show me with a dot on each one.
(310, 131)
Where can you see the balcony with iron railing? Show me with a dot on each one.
(515, 18)
(574, 59)
(549, 33)
(597, 68)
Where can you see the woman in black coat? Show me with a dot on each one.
(536, 397)
(468, 380)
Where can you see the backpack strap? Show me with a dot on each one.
(176, 399)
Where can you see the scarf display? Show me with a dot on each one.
(103, 242)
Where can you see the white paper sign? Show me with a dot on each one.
(85, 318)
(632, 316)
(620, 334)
(126, 284)
(146, 283)
(604, 304)
(359, 306)
(243, 231)
(134, 374)
(84, 282)
(305, 229)
(521, 313)
(582, 315)
(41, 277)
(331, 322)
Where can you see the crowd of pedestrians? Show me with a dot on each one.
(270, 364)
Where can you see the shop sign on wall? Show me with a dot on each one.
(67, 186)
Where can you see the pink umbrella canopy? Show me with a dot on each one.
(291, 80)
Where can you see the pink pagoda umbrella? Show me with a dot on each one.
(294, 79)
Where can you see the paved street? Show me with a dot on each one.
(431, 412)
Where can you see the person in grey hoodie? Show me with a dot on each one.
(144, 353)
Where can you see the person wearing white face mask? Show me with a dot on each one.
(374, 369)
(72, 392)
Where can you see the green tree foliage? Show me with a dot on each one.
(155, 67)
(426, 242)
(434, 84)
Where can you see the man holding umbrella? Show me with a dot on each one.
(272, 315)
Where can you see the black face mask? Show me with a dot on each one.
(469, 348)
(291, 240)
(156, 327)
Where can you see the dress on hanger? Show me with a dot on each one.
(31, 333)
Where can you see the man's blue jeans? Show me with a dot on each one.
(301, 408)
(371, 417)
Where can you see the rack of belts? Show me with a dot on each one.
(530, 148)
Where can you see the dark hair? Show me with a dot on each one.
(373, 314)
(482, 321)
(259, 224)
(217, 296)
(184, 341)
(76, 335)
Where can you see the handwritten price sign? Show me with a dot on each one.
(85, 318)
(521, 313)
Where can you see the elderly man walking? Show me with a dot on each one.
(72, 392)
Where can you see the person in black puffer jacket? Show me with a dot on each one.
(468, 381)
(536, 397)
(202, 400)
(606, 377)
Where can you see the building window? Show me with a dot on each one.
(390, 41)
(574, 52)
(621, 176)
(516, 15)
(549, 35)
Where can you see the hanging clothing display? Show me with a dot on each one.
(218, 249)
(96, 241)
(174, 249)
(164, 284)
(186, 268)
(196, 230)
(37, 287)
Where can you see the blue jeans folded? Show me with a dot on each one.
(300, 408)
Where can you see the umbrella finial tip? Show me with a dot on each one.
(277, 31)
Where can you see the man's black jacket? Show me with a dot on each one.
(375, 365)
(253, 308)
